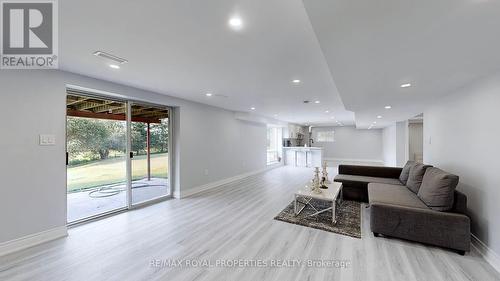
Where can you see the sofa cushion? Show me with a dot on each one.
(405, 173)
(437, 189)
(415, 177)
(394, 195)
(352, 178)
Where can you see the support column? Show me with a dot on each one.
(148, 140)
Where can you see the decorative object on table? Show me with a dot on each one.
(323, 183)
(315, 175)
(348, 218)
(325, 173)
(316, 181)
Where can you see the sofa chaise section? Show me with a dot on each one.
(397, 212)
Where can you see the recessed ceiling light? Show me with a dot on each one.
(374, 122)
(405, 85)
(296, 81)
(317, 101)
(114, 66)
(208, 94)
(388, 107)
(327, 111)
(235, 23)
(379, 117)
(252, 108)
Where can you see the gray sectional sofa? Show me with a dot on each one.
(417, 203)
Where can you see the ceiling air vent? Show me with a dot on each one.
(110, 57)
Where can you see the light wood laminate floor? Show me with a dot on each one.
(234, 221)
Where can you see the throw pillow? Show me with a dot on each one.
(415, 177)
(405, 173)
(437, 189)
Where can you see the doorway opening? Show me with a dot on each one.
(416, 138)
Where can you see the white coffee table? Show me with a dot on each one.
(333, 195)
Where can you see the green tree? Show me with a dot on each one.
(159, 137)
(95, 136)
(139, 135)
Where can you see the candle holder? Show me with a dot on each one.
(316, 181)
(325, 173)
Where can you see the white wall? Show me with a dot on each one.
(352, 144)
(389, 145)
(462, 136)
(395, 144)
(33, 186)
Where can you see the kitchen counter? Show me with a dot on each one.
(301, 156)
(302, 147)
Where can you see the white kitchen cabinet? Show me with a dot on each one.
(303, 156)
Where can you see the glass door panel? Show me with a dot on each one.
(96, 141)
(149, 136)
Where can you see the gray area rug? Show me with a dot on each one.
(348, 217)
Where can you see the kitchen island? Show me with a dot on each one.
(300, 156)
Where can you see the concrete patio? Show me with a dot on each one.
(111, 197)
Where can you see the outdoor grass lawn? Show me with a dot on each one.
(113, 171)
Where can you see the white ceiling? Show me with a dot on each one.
(372, 47)
(185, 48)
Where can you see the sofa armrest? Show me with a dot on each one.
(370, 171)
(445, 229)
(459, 202)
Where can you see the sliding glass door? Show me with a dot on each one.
(117, 155)
(96, 145)
(150, 152)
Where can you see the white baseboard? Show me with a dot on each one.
(378, 161)
(31, 240)
(488, 254)
(208, 186)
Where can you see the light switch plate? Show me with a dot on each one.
(47, 140)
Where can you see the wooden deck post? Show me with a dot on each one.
(148, 140)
